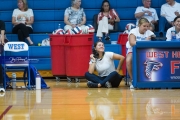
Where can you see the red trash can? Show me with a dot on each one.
(58, 55)
(122, 39)
(78, 50)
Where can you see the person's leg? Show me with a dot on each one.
(30, 31)
(116, 81)
(2, 31)
(129, 64)
(106, 27)
(23, 32)
(67, 27)
(163, 26)
(114, 78)
(99, 30)
(162, 23)
(93, 80)
(1, 77)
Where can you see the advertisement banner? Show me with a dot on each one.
(158, 65)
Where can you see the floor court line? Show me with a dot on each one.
(5, 112)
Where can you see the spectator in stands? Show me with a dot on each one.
(169, 11)
(22, 19)
(2, 30)
(147, 12)
(74, 16)
(139, 33)
(2, 37)
(106, 19)
(173, 33)
(103, 63)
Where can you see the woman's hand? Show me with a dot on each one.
(18, 17)
(148, 38)
(111, 21)
(73, 26)
(26, 19)
(92, 57)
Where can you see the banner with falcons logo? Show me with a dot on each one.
(162, 65)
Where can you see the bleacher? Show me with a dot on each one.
(49, 13)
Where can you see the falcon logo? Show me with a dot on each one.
(151, 66)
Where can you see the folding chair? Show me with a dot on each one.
(16, 57)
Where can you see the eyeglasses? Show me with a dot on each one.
(106, 5)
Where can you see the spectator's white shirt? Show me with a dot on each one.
(168, 11)
(139, 37)
(169, 34)
(106, 65)
(23, 14)
(154, 15)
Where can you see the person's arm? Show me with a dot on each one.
(92, 64)
(155, 21)
(121, 60)
(14, 17)
(2, 32)
(2, 37)
(66, 18)
(83, 21)
(31, 20)
(162, 13)
(132, 39)
(14, 21)
(139, 15)
(117, 19)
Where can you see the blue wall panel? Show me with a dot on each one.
(43, 4)
(125, 14)
(61, 4)
(127, 4)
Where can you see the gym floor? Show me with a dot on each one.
(75, 101)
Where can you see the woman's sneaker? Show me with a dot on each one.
(92, 85)
(131, 86)
(107, 38)
(108, 84)
(2, 88)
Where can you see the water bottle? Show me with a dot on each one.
(173, 35)
(59, 26)
(13, 80)
(38, 82)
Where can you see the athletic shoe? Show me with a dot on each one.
(92, 85)
(107, 37)
(2, 88)
(108, 84)
(132, 87)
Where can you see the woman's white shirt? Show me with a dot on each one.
(169, 34)
(23, 14)
(139, 37)
(106, 65)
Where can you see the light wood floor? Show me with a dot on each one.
(74, 101)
